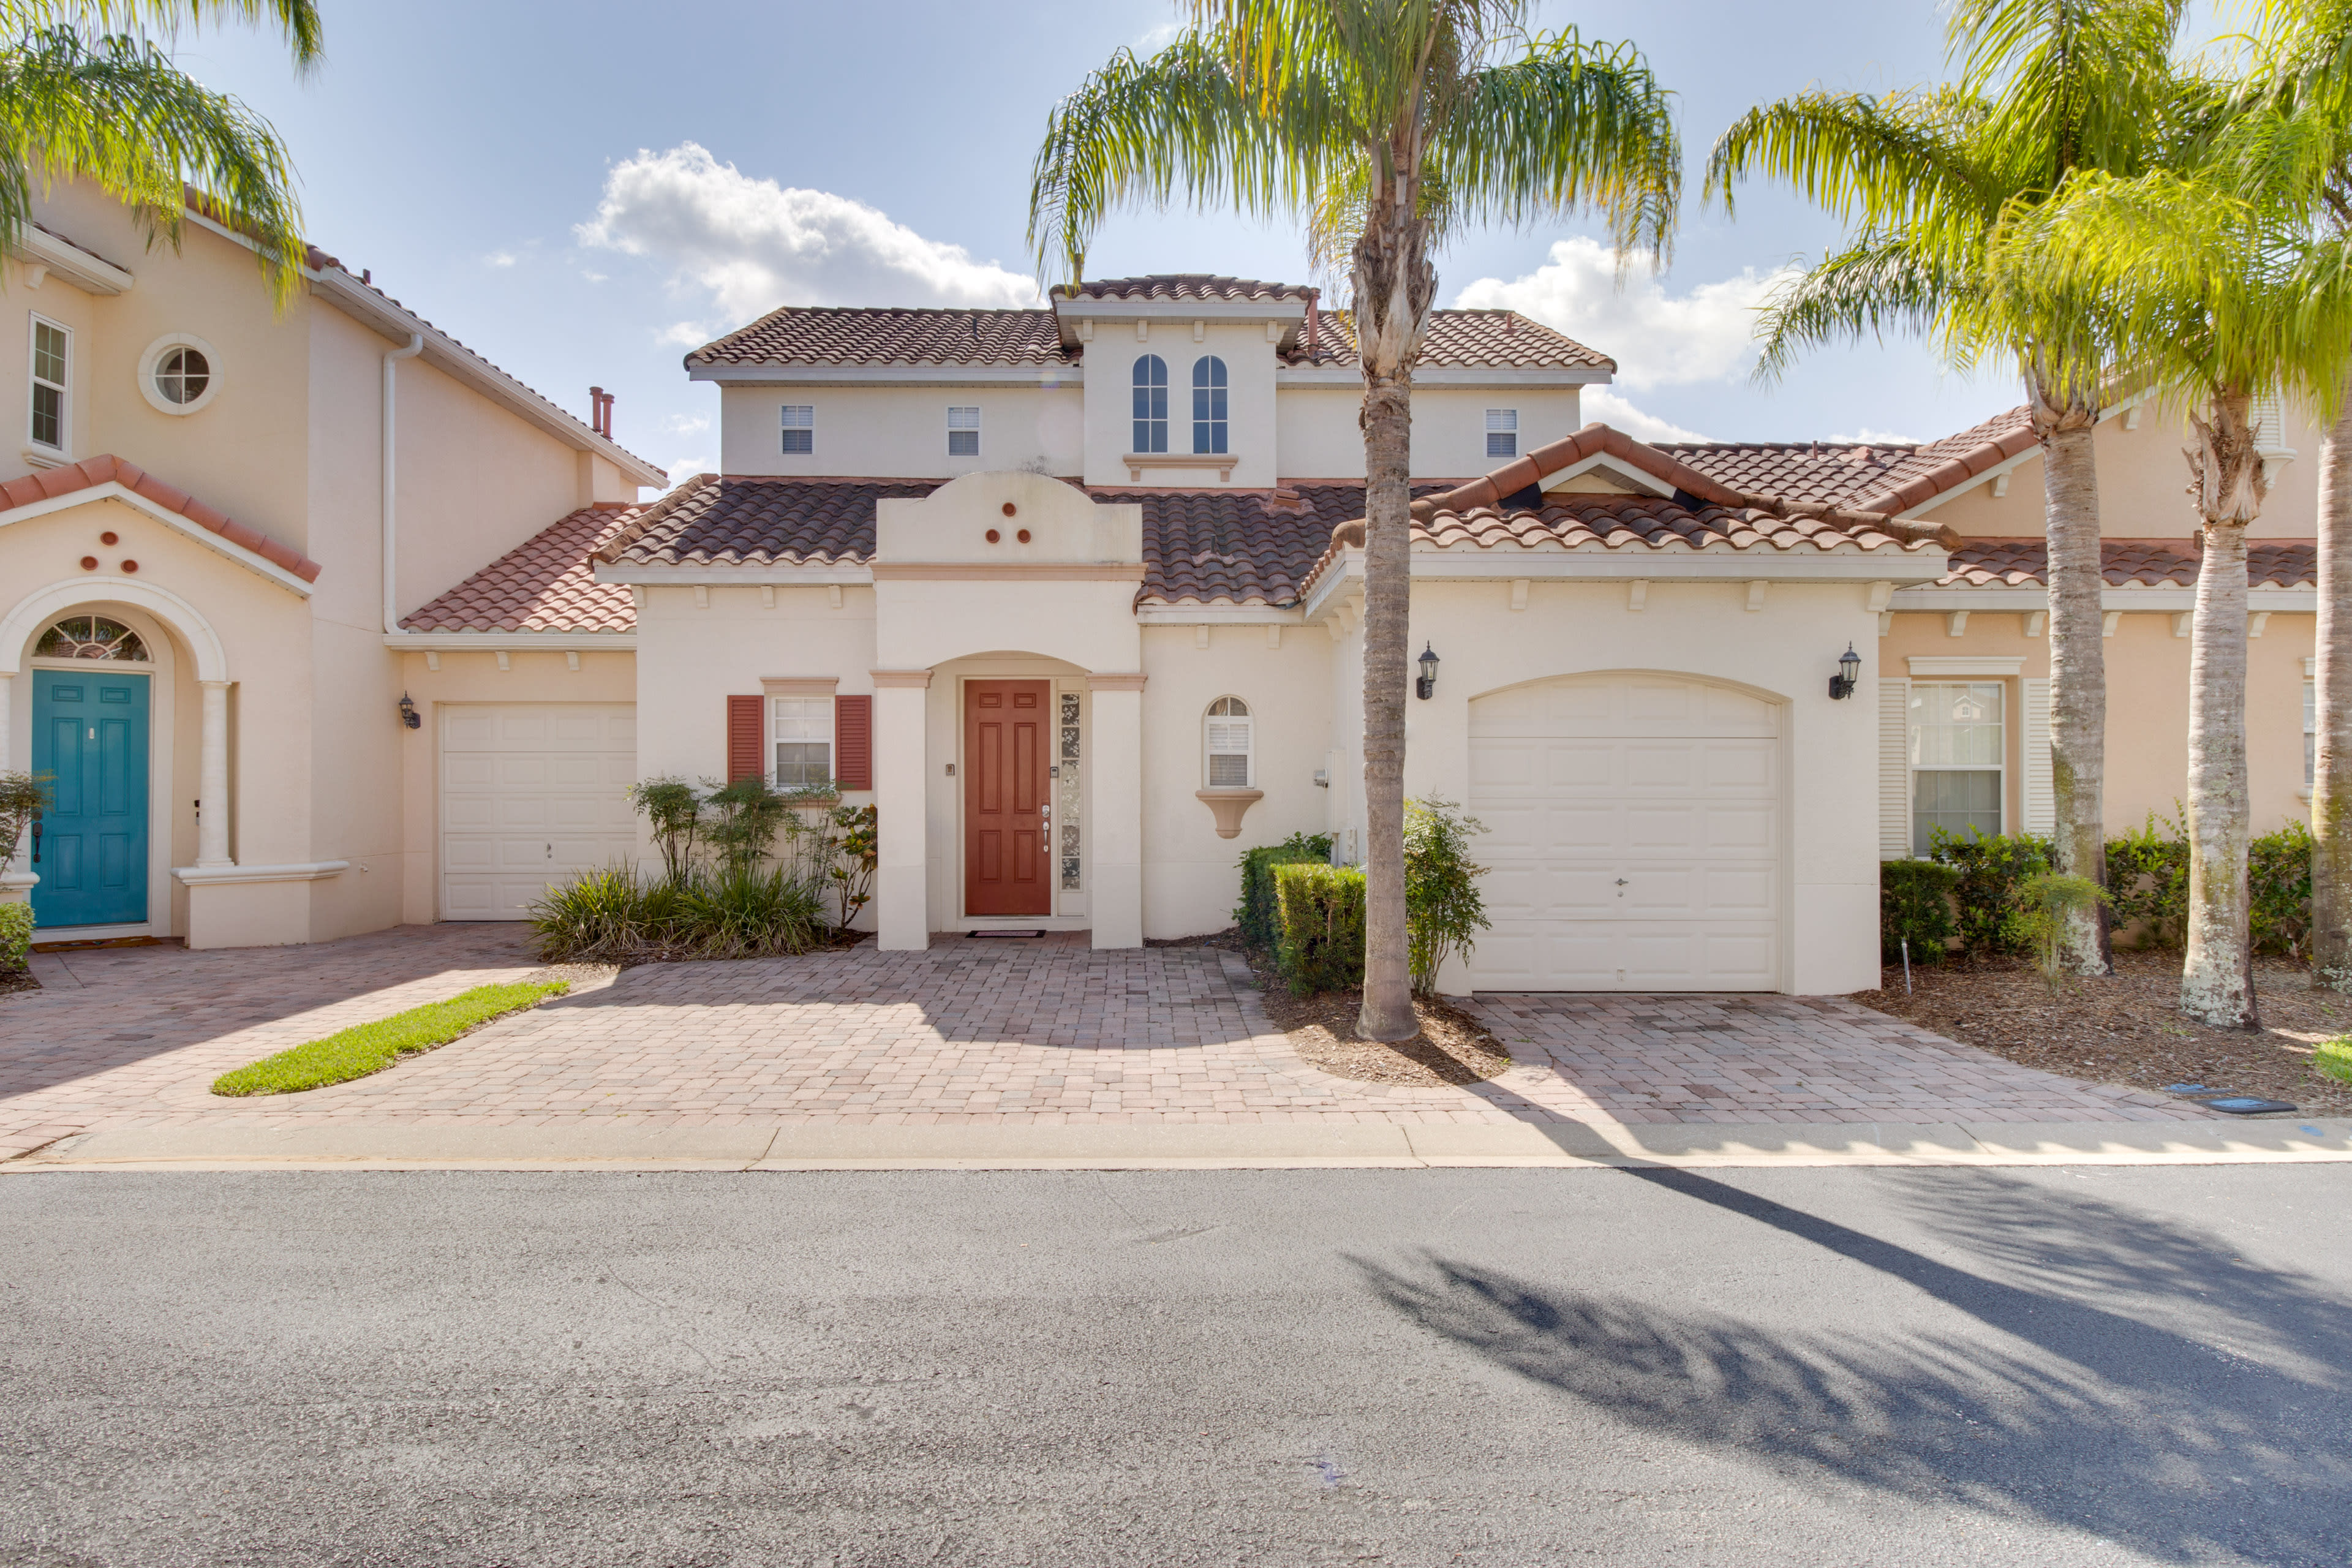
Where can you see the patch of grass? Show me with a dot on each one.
(364, 1048)
(2334, 1060)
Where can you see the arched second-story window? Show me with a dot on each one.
(1228, 744)
(1151, 404)
(1208, 404)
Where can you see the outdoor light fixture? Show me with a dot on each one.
(1848, 677)
(408, 712)
(1426, 687)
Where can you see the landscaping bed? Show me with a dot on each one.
(2127, 1029)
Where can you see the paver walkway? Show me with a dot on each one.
(969, 1031)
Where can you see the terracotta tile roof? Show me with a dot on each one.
(1236, 547)
(1180, 286)
(49, 483)
(547, 584)
(1461, 340)
(2129, 563)
(710, 521)
(839, 335)
(1866, 476)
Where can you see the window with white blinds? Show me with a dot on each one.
(1502, 432)
(803, 737)
(963, 431)
(51, 351)
(1229, 758)
(1959, 754)
(800, 430)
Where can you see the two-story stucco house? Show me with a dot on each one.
(213, 511)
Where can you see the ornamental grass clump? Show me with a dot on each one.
(2048, 905)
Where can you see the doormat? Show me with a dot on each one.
(1024, 934)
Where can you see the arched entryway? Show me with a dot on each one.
(1636, 832)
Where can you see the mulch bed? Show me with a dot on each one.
(18, 979)
(2126, 1028)
(1453, 1048)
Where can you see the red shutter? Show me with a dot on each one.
(853, 731)
(743, 738)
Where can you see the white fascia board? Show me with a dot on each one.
(1504, 564)
(2171, 599)
(364, 305)
(69, 261)
(114, 491)
(721, 575)
(1614, 467)
(518, 642)
(1047, 376)
(1220, 615)
(1498, 376)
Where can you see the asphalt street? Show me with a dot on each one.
(2077, 1366)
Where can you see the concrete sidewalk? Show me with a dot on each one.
(980, 1146)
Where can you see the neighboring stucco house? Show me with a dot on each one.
(209, 522)
(1074, 595)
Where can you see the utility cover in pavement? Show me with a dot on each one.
(2248, 1105)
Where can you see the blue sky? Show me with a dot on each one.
(577, 191)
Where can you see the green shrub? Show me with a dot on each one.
(616, 916)
(1993, 873)
(1320, 915)
(857, 853)
(1914, 901)
(2147, 880)
(2278, 885)
(2334, 1060)
(1255, 913)
(740, 821)
(2049, 903)
(1444, 912)
(366, 1049)
(23, 796)
(674, 808)
(15, 937)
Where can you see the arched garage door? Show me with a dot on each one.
(1634, 836)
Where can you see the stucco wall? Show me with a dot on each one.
(1252, 433)
(899, 431)
(1321, 440)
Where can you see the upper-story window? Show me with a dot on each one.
(52, 352)
(1957, 752)
(1151, 404)
(963, 431)
(1230, 754)
(800, 430)
(1208, 404)
(1502, 432)
(179, 373)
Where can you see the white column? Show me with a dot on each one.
(7, 722)
(1114, 829)
(212, 778)
(902, 903)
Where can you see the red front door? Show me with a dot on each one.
(1008, 848)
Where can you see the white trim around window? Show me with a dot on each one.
(799, 429)
(49, 385)
(1957, 750)
(179, 373)
(964, 430)
(1228, 745)
(1502, 432)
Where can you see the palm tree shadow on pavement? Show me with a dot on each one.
(2140, 1382)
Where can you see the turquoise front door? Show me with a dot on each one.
(90, 733)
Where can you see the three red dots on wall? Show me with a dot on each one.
(89, 562)
(996, 536)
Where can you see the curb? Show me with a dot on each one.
(1301, 1145)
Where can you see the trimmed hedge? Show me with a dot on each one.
(1914, 901)
(1320, 915)
(1255, 913)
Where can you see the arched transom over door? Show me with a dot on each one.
(1634, 836)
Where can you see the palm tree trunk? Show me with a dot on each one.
(2331, 774)
(2078, 671)
(1395, 288)
(2217, 983)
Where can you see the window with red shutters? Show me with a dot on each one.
(853, 730)
(743, 758)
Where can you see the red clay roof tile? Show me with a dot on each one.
(547, 584)
(106, 468)
(2022, 563)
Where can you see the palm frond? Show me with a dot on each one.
(1894, 159)
(297, 21)
(1874, 289)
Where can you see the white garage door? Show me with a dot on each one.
(529, 794)
(1634, 836)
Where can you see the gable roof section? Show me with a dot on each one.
(114, 477)
(2023, 563)
(1863, 476)
(710, 521)
(546, 583)
(854, 335)
(1461, 340)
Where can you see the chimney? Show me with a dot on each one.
(600, 412)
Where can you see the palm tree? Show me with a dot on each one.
(1399, 120)
(2046, 87)
(2219, 293)
(87, 90)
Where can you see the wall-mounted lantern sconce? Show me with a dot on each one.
(1426, 687)
(1848, 677)
(408, 712)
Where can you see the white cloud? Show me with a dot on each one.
(1868, 437)
(687, 334)
(1605, 407)
(685, 423)
(1158, 37)
(752, 245)
(1657, 339)
(499, 259)
(682, 469)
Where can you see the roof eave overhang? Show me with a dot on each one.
(1942, 598)
(1642, 562)
(69, 261)
(112, 491)
(492, 642)
(749, 574)
(1052, 375)
(1450, 375)
(1216, 613)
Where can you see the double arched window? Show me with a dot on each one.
(1150, 404)
(1231, 758)
(1208, 404)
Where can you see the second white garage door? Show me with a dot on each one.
(530, 793)
(1634, 835)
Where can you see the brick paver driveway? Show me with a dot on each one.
(969, 1031)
